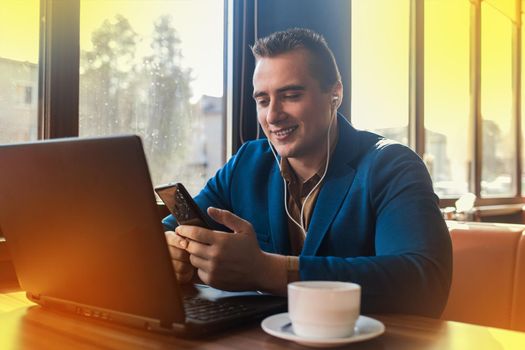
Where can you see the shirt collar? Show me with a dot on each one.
(289, 175)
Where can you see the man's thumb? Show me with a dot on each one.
(230, 220)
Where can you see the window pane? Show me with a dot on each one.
(522, 105)
(152, 68)
(499, 160)
(505, 7)
(380, 59)
(447, 98)
(19, 43)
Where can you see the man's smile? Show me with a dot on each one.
(284, 132)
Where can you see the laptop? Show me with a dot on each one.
(83, 229)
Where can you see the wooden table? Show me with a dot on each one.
(24, 325)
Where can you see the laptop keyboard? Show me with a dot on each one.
(208, 311)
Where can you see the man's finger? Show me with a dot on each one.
(175, 240)
(228, 219)
(185, 277)
(204, 276)
(200, 263)
(195, 233)
(203, 251)
(179, 254)
(182, 268)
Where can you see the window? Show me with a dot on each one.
(24, 95)
(151, 68)
(498, 130)
(447, 109)
(380, 62)
(470, 106)
(19, 44)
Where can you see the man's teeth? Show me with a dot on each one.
(284, 132)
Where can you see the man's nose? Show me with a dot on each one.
(275, 113)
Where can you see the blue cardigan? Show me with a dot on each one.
(376, 221)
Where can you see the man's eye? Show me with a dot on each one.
(262, 102)
(292, 96)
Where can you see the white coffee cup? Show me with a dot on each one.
(323, 309)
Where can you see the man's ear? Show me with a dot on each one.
(337, 94)
(335, 99)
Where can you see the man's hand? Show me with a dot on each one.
(232, 261)
(180, 257)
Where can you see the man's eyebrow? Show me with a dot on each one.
(259, 94)
(281, 90)
(291, 87)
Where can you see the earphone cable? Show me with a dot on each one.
(302, 224)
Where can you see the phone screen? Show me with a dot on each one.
(181, 205)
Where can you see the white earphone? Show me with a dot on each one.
(334, 101)
(302, 224)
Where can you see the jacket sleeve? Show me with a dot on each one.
(216, 193)
(412, 266)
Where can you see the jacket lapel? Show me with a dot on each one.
(328, 203)
(337, 183)
(277, 214)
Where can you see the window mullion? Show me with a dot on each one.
(59, 63)
(475, 96)
(417, 81)
(516, 89)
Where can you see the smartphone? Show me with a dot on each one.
(181, 205)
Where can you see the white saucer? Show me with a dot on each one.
(365, 328)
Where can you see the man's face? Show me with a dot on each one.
(291, 107)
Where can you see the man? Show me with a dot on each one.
(352, 206)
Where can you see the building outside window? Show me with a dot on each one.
(19, 44)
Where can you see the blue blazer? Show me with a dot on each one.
(376, 221)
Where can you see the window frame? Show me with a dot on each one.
(59, 58)
(417, 118)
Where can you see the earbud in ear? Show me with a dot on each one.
(334, 101)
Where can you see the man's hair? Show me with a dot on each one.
(322, 63)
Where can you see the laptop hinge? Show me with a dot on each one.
(33, 297)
